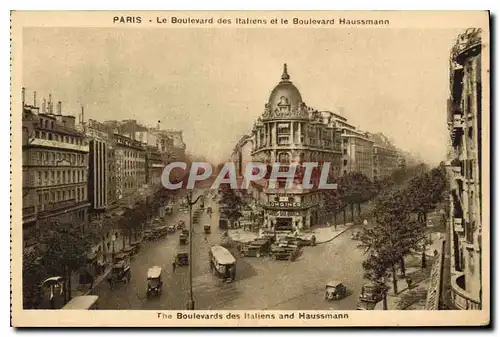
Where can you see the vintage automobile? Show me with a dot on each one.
(372, 292)
(185, 232)
(257, 248)
(268, 234)
(207, 229)
(155, 283)
(222, 263)
(181, 224)
(120, 273)
(335, 290)
(182, 259)
(133, 249)
(281, 253)
(171, 229)
(183, 239)
(121, 256)
(88, 302)
(160, 232)
(148, 235)
(223, 224)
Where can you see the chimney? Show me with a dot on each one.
(23, 95)
(59, 108)
(34, 99)
(44, 106)
(50, 105)
(83, 116)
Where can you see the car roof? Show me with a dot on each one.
(333, 283)
(154, 272)
(81, 302)
(222, 255)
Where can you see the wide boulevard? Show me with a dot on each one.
(261, 283)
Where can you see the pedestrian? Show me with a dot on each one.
(174, 265)
(206, 239)
(409, 281)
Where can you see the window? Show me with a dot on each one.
(345, 151)
(345, 162)
(39, 178)
(50, 136)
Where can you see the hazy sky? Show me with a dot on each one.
(213, 83)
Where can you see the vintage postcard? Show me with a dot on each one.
(250, 168)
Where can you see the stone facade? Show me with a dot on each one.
(464, 122)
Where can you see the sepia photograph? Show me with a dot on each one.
(250, 168)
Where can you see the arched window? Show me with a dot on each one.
(284, 158)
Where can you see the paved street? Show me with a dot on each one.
(260, 283)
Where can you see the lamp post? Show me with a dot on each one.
(190, 202)
(113, 239)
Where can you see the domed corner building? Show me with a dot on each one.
(291, 132)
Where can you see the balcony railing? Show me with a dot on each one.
(459, 296)
(28, 211)
(59, 205)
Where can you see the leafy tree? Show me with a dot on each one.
(426, 190)
(65, 250)
(393, 235)
(334, 203)
(231, 205)
(33, 276)
(355, 188)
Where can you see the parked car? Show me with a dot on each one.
(181, 224)
(335, 290)
(257, 248)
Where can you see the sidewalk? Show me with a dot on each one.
(83, 289)
(323, 234)
(327, 234)
(413, 298)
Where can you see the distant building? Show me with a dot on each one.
(357, 149)
(464, 122)
(385, 156)
(99, 174)
(55, 163)
(130, 164)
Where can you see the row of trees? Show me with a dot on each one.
(355, 189)
(63, 247)
(400, 224)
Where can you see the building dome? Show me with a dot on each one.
(285, 93)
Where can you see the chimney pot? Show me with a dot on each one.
(23, 95)
(34, 99)
(59, 108)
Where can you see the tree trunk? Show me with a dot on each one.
(359, 209)
(402, 266)
(424, 260)
(394, 280)
(69, 283)
(352, 212)
(344, 216)
(335, 218)
(384, 302)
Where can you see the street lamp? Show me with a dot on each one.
(190, 303)
(113, 239)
